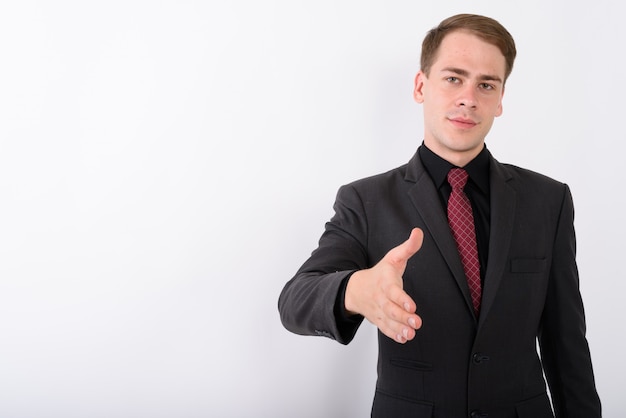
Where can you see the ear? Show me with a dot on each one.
(418, 90)
(499, 109)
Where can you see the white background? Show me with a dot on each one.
(166, 166)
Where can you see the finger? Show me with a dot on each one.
(414, 321)
(398, 296)
(397, 331)
(399, 338)
(396, 323)
(401, 254)
(399, 315)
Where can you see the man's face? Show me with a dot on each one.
(461, 96)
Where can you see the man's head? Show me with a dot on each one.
(465, 63)
(488, 29)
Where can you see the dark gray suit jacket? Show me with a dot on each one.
(459, 365)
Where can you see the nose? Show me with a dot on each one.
(467, 98)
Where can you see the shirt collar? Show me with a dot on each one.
(438, 168)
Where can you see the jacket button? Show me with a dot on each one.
(478, 358)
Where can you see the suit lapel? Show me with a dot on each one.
(502, 217)
(425, 198)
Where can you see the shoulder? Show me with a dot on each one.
(528, 177)
(533, 187)
(402, 176)
(379, 184)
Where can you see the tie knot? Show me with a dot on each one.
(457, 177)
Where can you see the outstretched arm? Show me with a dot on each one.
(339, 284)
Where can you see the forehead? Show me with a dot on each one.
(463, 49)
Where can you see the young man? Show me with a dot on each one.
(488, 268)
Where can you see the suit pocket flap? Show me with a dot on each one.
(528, 265)
(412, 364)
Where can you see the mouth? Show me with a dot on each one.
(463, 123)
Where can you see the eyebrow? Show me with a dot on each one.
(465, 73)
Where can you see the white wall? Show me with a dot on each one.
(165, 167)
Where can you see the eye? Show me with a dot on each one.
(486, 86)
(454, 80)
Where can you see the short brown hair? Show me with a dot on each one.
(486, 28)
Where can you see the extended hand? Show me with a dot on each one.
(377, 293)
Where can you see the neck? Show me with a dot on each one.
(459, 158)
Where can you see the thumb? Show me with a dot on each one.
(400, 255)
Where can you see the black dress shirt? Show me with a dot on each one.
(477, 191)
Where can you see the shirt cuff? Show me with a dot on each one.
(344, 319)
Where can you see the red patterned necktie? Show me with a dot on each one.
(461, 222)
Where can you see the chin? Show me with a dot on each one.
(464, 145)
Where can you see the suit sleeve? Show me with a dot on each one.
(564, 347)
(311, 303)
